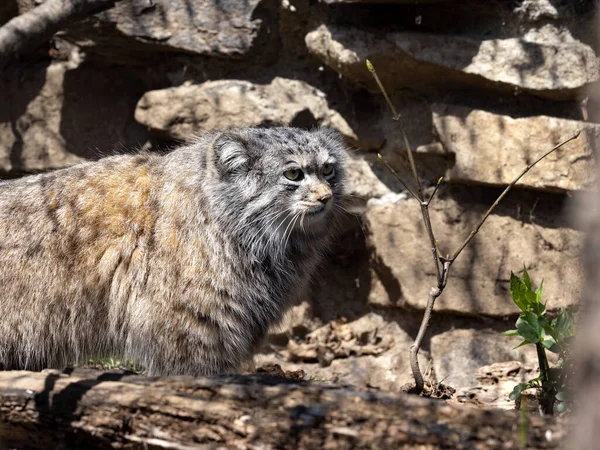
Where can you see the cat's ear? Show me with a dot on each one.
(229, 154)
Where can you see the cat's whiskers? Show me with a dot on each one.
(258, 219)
(272, 218)
(302, 222)
(271, 238)
(291, 228)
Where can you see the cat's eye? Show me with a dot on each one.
(293, 174)
(328, 170)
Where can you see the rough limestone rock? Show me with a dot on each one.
(368, 352)
(374, 352)
(403, 272)
(60, 115)
(493, 149)
(437, 62)
(377, 131)
(180, 112)
(223, 28)
(459, 354)
(496, 381)
(31, 137)
(363, 182)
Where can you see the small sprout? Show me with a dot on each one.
(535, 328)
(379, 156)
(370, 66)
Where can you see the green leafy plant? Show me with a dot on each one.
(534, 326)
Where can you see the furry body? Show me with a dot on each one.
(180, 262)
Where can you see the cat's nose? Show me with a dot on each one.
(324, 198)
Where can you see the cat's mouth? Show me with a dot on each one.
(311, 209)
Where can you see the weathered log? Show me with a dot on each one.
(25, 32)
(95, 410)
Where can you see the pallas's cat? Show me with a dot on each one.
(180, 262)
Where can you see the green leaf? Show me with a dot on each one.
(521, 345)
(538, 308)
(539, 291)
(534, 382)
(518, 291)
(544, 323)
(521, 292)
(550, 343)
(529, 328)
(549, 330)
(564, 327)
(554, 349)
(526, 279)
(516, 392)
(511, 333)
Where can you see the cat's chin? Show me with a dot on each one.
(313, 216)
(313, 219)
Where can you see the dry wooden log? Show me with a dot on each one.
(95, 410)
(25, 32)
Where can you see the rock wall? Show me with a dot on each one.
(483, 89)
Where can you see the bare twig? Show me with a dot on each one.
(443, 272)
(396, 117)
(382, 89)
(419, 195)
(416, 197)
(27, 31)
(437, 185)
(501, 196)
(434, 293)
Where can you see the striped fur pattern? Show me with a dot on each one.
(180, 262)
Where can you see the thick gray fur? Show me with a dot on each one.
(180, 262)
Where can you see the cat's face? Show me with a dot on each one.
(281, 180)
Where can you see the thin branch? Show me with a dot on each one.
(442, 273)
(29, 30)
(437, 185)
(419, 197)
(414, 349)
(396, 117)
(382, 89)
(432, 240)
(489, 211)
(435, 249)
(398, 177)
(411, 158)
